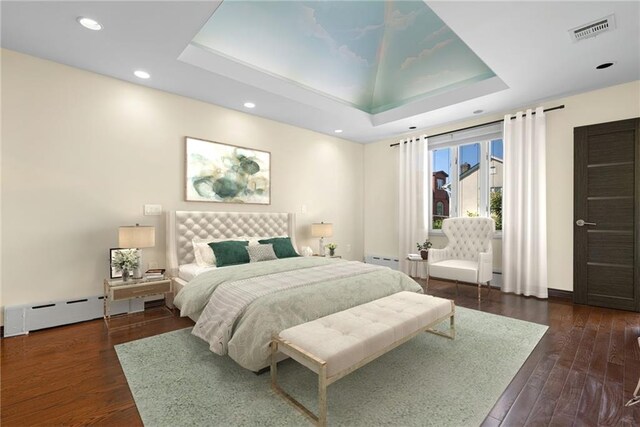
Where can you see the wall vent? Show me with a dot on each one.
(593, 28)
(390, 262)
(21, 319)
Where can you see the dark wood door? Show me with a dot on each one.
(607, 215)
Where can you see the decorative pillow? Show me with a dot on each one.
(259, 253)
(230, 252)
(281, 246)
(203, 252)
(255, 240)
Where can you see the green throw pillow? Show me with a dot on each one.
(281, 246)
(230, 252)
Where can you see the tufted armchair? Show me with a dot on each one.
(468, 256)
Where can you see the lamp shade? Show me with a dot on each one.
(321, 230)
(136, 236)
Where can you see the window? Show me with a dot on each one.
(469, 180)
(496, 161)
(475, 186)
(441, 186)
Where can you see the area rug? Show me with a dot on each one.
(430, 380)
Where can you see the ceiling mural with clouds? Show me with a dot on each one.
(373, 55)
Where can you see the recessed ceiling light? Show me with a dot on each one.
(338, 131)
(249, 105)
(478, 111)
(89, 23)
(605, 65)
(141, 74)
(412, 127)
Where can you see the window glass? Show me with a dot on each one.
(469, 180)
(496, 160)
(441, 186)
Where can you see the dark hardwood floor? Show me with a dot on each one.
(581, 373)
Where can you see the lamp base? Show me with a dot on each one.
(321, 247)
(137, 272)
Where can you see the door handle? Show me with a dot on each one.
(582, 222)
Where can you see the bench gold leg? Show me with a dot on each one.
(452, 326)
(452, 329)
(321, 419)
(322, 396)
(274, 365)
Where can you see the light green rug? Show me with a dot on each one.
(177, 381)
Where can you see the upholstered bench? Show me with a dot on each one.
(336, 345)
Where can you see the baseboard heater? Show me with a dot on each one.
(390, 262)
(22, 319)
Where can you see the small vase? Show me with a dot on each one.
(332, 252)
(424, 253)
(125, 275)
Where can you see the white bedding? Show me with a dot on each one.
(188, 271)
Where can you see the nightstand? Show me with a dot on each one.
(117, 290)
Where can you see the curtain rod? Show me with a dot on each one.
(559, 107)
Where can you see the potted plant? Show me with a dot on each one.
(126, 260)
(332, 248)
(424, 248)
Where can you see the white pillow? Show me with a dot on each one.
(203, 252)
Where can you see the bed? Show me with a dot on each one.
(238, 308)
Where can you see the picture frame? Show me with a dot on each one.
(226, 173)
(113, 274)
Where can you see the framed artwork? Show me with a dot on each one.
(118, 274)
(224, 173)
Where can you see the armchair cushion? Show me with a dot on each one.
(485, 266)
(455, 269)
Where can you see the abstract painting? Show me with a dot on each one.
(224, 173)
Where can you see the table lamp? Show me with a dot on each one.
(321, 230)
(137, 236)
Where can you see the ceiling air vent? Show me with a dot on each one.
(593, 28)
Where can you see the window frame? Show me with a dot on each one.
(483, 178)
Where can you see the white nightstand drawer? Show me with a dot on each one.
(127, 292)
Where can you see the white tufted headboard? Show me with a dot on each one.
(183, 226)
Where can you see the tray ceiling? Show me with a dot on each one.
(374, 56)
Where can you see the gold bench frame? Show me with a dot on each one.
(319, 366)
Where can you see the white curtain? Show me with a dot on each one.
(413, 172)
(524, 209)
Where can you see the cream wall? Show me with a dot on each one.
(380, 176)
(82, 153)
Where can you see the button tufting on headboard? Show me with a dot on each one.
(183, 226)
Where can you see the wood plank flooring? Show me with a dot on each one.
(581, 373)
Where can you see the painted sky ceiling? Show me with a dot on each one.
(373, 55)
